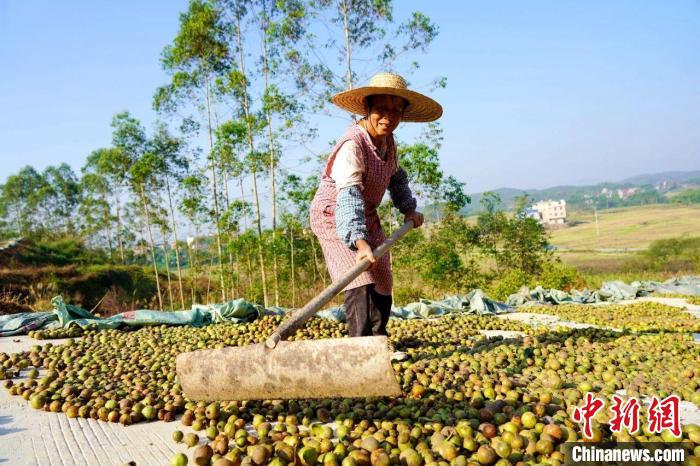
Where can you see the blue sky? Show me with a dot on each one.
(539, 93)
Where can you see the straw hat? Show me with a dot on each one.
(420, 107)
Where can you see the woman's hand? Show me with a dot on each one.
(417, 218)
(364, 251)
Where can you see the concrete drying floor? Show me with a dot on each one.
(32, 437)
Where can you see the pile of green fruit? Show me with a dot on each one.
(72, 331)
(498, 402)
(129, 376)
(467, 399)
(640, 316)
(695, 300)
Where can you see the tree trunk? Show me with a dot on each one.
(194, 261)
(245, 214)
(151, 244)
(109, 244)
(119, 228)
(214, 191)
(250, 270)
(211, 263)
(346, 30)
(20, 225)
(177, 248)
(271, 141)
(167, 271)
(238, 276)
(291, 252)
(193, 287)
(318, 269)
(253, 172)
(109, 232)
(391, 254)
(229, 235)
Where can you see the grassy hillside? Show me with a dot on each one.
(631, 227)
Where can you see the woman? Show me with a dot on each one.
(361, 167)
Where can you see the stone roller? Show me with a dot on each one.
(281, 370)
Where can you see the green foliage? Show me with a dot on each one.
(508, 283)
(19, 198)
(422, 164)
(560, 276)
(200, 43)
(39, 205)
(669, 255)
(353, 31)
(647, 196)
(453, 194)
(516, 242)
(299, 193)
(687, 196)
(59, 252)
(554, 274)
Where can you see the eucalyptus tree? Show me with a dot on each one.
(360, 32)
(197, 56)
(231, 220)
(282, 25)
(299, 193)
(160, 220)
(175, 166)
(193, 206)
(143, 181)
(230, 142)
(292, 224)
(42, 204)
(59, 195)
(237, 84)
(112, 164)
(143, 178)
(95, 209)
(19, 202)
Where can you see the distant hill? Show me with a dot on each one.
(650, 189)
(656, 178)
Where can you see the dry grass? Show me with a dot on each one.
(11, 303)
(631, 227)
(592, 262)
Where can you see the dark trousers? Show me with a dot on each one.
(366, 311)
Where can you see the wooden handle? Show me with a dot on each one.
(312, 307)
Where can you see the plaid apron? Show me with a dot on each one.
(375, 180)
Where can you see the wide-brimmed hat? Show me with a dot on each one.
(420, 108)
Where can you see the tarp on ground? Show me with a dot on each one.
(65, 315)
(687, 285)
(475, 302)
(239, 310)
(236, 311)
(612, 291)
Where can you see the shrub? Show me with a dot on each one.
(672, 254)
(59, 252)
(507, 284)
(560, 276)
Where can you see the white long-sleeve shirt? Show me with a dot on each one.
(348, 166)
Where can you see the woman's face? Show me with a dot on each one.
(385, 113)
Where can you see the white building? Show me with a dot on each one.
(627, 192)
(551, 212)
